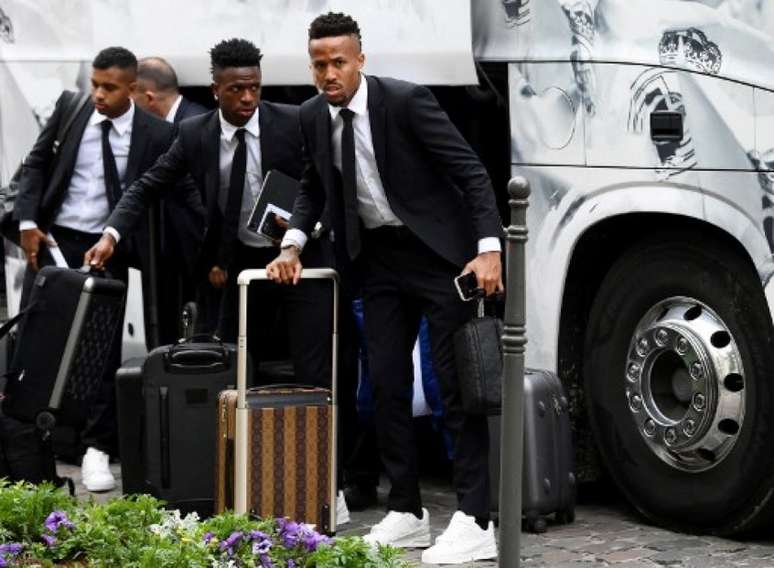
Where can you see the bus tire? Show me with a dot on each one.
(678, 369)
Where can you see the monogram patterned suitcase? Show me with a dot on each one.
(289, 453)
(284, 436)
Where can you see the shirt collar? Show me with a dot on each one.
(173, 110)
(229, 130)
(121, 124)
(359, 102)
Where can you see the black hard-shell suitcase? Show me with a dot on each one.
(129, 414)
(64, 343)
(548, 475)
(181, 384)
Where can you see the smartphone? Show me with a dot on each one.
(467, 286)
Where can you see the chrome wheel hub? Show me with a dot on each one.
(685, 384)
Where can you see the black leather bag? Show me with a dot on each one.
(479, 357)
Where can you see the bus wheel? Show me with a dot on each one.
(678, 370)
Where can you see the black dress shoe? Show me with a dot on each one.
(360, 497)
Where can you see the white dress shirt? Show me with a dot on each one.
(85, 206)
(253, 174)
(173, 111)
(373, 208)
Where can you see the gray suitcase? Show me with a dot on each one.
(548, 478)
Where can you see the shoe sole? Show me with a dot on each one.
(409, 542)
(99, 488)
(472, 557)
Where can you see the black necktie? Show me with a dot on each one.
(349, 184)
(112, 182)
(236, 185)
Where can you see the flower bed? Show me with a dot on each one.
(43, 526)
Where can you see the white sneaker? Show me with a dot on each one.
(342, 512)
(462, 541)
(402, 530)
(95, 471)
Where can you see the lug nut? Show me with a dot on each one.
(689, 429)
(662, 337)
(650, 428)
(633, 372)
(682, 346)
(699, 401)
(697, 370)
(670, 436)
(635, 402)
(643, 346)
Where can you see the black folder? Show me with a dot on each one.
(277, 196)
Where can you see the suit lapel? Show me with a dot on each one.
(68, 148)
(378, 118)
(325, 156)
(137, 146)
(210, 145)
(267, 139)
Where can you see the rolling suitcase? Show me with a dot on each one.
(548, 477)
(181, 383)
(64, 344)
(283, 437)
(129, 402)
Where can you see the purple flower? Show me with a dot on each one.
(267, 563)
(232, 541)
(3, 562)
(291, 563)
(261, 547)
(58, 519)
(208, 536)
(11, 549)
(289, 532)
(49, 540)
(257, 535)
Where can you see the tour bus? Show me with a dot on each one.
(646, 131)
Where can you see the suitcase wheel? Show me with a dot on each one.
(565, 517)
(536, 524)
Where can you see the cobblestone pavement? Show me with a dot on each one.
(605, 533)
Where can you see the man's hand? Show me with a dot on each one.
(488, 271)
(99, 254)
(286, 268)
(30, 241)
(218, 277)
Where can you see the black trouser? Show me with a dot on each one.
(101, 429)
(402, 280)
(305, 310)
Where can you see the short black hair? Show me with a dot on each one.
(234, 52)
(334, 24)
(158, 71)
(115, 57)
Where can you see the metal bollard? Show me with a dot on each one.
(514, 341)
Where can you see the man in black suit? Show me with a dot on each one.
(67, 191)
(228, 152)
(157, 92)
(411, 207)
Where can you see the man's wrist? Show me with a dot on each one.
(291, 247)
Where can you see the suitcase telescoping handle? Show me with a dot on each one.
(240, 446)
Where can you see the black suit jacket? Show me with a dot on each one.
(50, 164)
(433, 180)
(196, 151)
(188, 109)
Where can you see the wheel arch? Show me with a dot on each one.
(594, 253)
